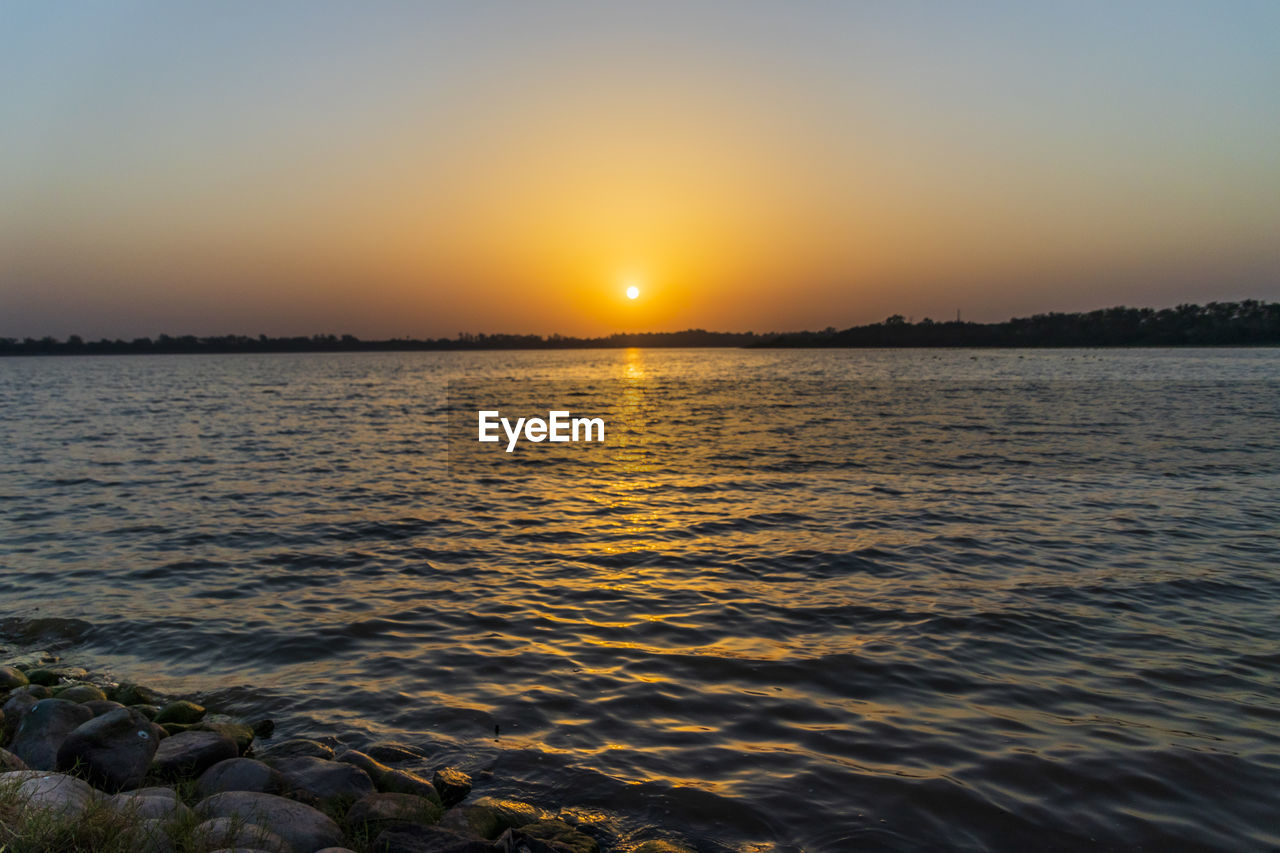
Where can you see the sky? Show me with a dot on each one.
(421, 169)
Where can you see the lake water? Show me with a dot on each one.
(796, 601)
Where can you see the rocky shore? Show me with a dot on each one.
(91, 764)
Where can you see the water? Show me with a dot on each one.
(798, 600)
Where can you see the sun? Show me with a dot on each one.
(633, 292)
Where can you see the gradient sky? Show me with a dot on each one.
(422, 169)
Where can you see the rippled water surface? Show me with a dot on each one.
(797, 600)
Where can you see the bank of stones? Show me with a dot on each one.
(166, 775)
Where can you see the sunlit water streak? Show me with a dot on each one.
(806, 600)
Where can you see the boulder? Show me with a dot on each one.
(239, 774)
(428, 839)
(548, 836)
(404, 782)
(143, 805)
(391, 753)
(38, 691)
(188, 754)
(452, 784)
(369, 765)
(112, 751)
(43, 729)
(181, 711)
(489, 817)
(55, 794)
(128, 693)
(376, 812)
(12, 712)
(299, 746)
(43, 676)
(11, 678)
(148, 711)
(325, 780)
(238, 732)
(102, 706)
(298, 824)
(149, 836)
(234, 833)
(9, 761)
(659, 845)
(81, 693)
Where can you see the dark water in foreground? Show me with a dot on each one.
(801, 600)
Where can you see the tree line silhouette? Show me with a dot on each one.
(1246, 323)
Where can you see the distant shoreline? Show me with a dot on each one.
(1249, 323)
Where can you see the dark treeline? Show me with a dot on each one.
(75, 345)
(1217, 324)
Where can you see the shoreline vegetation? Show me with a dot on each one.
(92, 764)
(1246, 323)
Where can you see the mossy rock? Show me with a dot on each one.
(660, 846)
(489, 817)
(181, 711)
(135, 694)
(80, 693)
(148, 711)
(238, 732)
(11, 678)
(177, 728)
(560, 836)
(42, 675)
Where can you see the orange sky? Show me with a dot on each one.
(510, 168)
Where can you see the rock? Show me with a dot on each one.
(81, 693)
(325, 780)
(102, 706)
(181, 711)
(39, 691)
(148, 711)
(56, 794)
(44, 728)
(662, 846)
(188, 754)
(149, 836)
(490, 816)
(376, 812)
(404, 782)
(134, 694)
(300, 825)
(238, 732)
(355, 757)
(428, 839)
(299, 746)
(154, 791)
(11, 678)
(112, 751)
(392, 752)
(233, 832)
(9, 761)
(452, 784)
(549, 836)
(14, 709)
(43, 676)
(239, 774)
(177, 728)
(139, 805)
(336, 850)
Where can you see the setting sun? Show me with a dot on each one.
(633, 292)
